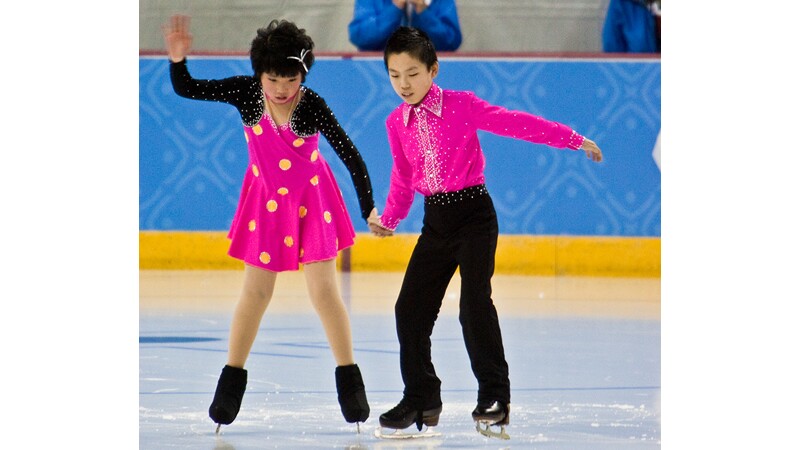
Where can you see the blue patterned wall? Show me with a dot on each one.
(192, 154)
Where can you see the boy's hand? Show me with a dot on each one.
(592, 150)
(374, 222)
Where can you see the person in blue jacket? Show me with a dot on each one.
(632, 26)
(375, 20)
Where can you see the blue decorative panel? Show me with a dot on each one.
(193, 154)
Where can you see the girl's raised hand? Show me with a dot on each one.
(177, 37)
(592, 150)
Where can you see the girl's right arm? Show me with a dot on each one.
(240, 91)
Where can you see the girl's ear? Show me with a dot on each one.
(435, 69)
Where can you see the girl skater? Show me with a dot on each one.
(290, 211)
(435, 148)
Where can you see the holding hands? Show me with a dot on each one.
(374, 222)
(177, 37)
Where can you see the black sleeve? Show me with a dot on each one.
(328, 126)
(241, 91)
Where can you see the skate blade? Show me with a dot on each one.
(392, 433)
(487, 431)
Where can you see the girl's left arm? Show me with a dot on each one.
(346, 151)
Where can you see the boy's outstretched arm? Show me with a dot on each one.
(592, 150)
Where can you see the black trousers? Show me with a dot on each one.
(460, 234)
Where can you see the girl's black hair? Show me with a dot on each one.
(273, 45)
(412, 41)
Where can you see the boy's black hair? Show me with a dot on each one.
(412, 41)
(274, 44)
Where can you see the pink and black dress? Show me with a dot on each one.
(290, 209)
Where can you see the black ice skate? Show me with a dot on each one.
(352, 397)
(228, 397)
(404, 415)
(491, 414)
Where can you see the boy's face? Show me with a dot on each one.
(409, 76)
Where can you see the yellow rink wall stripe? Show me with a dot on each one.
(516, 254)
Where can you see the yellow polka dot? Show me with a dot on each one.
(264, 257)
(257, 130)
(303, 211)
(285, 164)
(288, 241)
(315, 180)
(283, 191)
(255, 170)
(314, 155)
(272, 205)
(327, 216)
(301, 252)
(252, 225)
(298, 142)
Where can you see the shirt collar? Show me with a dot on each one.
(432, 102)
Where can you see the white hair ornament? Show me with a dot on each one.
(302, 57)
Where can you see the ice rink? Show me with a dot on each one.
(584, 357)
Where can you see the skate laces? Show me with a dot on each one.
(402, 408)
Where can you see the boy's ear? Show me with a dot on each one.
(435, 69)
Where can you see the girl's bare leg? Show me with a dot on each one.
(327, 301)
(324, 292)
(256, 294)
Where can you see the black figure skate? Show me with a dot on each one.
(492, 414)
(403, 416)
(352, 397)
(228, 397)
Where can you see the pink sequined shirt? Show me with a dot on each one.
(435, 144)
